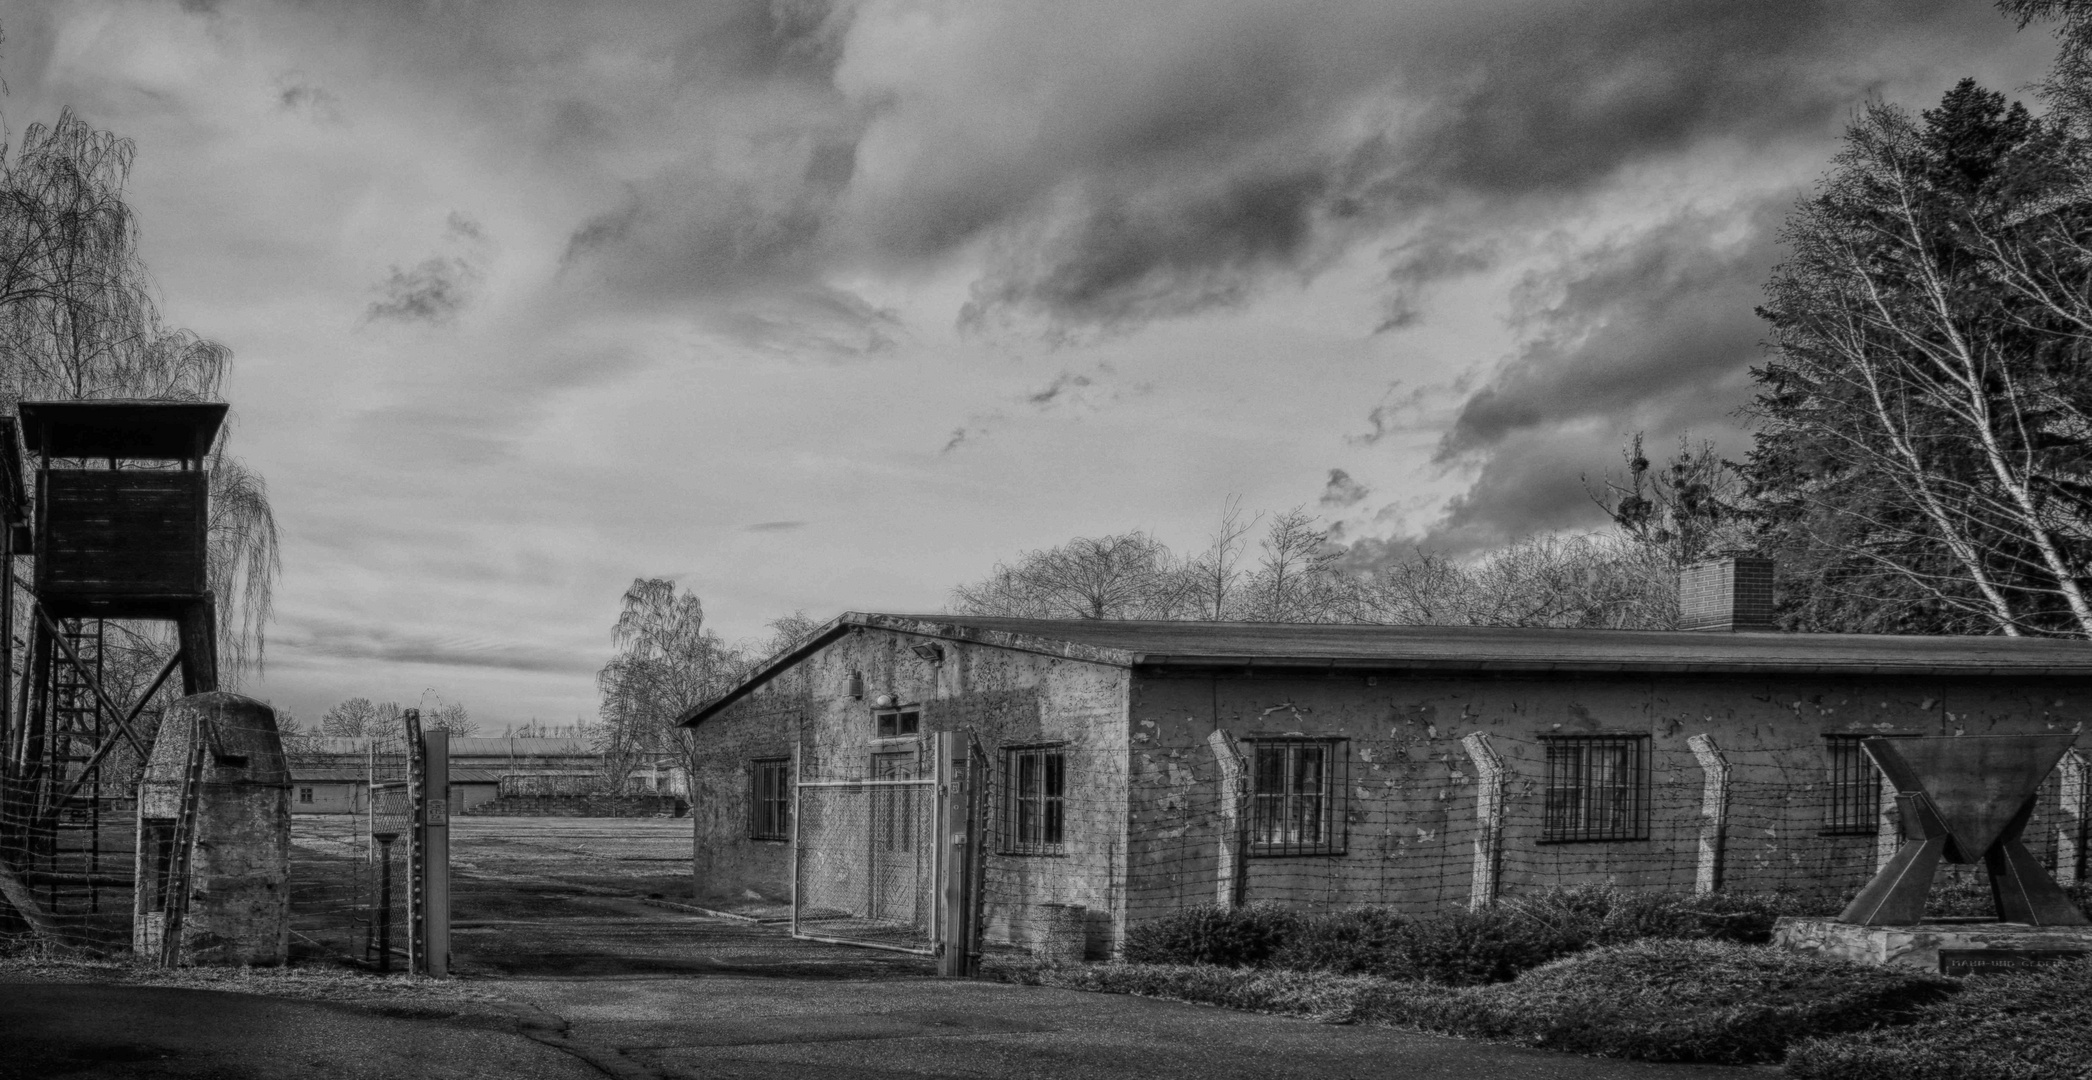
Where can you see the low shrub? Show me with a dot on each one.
(1459, 947)
(1368, 941)
(1659, 1000)
(2035, 1025)
(1211, 934)
(1492, 944)
(1604, 915)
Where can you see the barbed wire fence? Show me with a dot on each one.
(350, 895)
(71, 860)
(1074, 835)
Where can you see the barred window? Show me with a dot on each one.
(897, 723)
(770, 799)
(1295, 787)
(304, 794)
(1852, 795)
(1035, 810)
(1597, 788)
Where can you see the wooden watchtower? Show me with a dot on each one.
(117, 519)
(122, 525)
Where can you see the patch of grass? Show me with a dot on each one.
(318, 982)
(2035, 1025)
(1654, 1000)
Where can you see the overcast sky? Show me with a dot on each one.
(830, 307)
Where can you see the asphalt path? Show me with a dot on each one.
(591, 980)
(714, 998)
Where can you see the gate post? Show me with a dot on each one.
(959, 814)
(435, 852)
(417, 866)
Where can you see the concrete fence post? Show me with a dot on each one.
(1714, 812)
(435, 853)
(1888, 834)
(1489, 819)
(2076, 775)
(1231, 879)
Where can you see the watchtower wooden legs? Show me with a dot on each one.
(44, 764)
(198, 631)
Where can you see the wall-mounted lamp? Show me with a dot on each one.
(929, 651)
(856, 689)
(884, 701)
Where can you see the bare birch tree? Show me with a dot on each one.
(1916, 359)
(1214, 580)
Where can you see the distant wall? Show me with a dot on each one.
(578, 806)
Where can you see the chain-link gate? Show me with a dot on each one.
(886, 847)
(866, 849)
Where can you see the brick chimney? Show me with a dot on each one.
(1733, 592)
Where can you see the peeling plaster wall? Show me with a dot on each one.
(1411, 805)
(1007, 698)
(727, 865)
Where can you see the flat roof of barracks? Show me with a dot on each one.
(1472, 649)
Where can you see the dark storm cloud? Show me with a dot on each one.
(436, 289)
(1062, 384)
(294, 94)
(1342, 490)
(1116, 163)
(1665, 316)
(1224, 160)
(1536, 483)
(1652, 333)
(432, 292)
(1441, 250)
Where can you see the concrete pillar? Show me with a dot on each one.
(238, 888)
(1888, 835)
(2076, 776)
(1489, 819)
(1231, 879)
(1714, 812)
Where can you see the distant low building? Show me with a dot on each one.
(331, 774)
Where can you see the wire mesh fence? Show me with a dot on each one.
(71, 864)
(866, 856)
(350, 893)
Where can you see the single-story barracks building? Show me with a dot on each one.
(1140, 767)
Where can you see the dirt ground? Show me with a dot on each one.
(548, 897)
